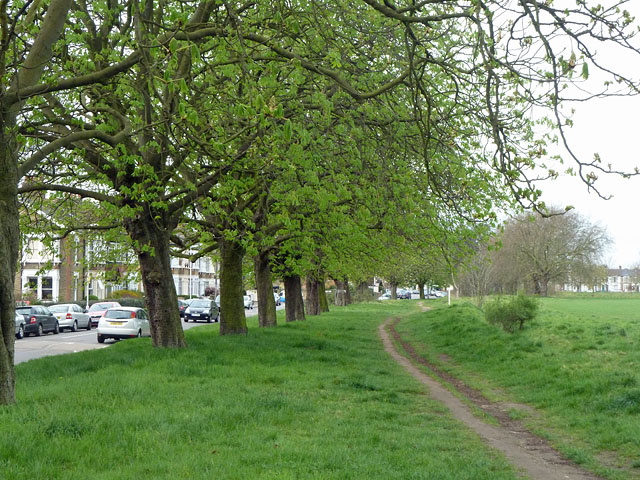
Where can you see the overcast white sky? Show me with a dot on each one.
(611, 128)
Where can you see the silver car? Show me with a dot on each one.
(248, 302)
(19, 326)
(71, 316)
(123, 322)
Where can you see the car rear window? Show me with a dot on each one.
(24, 311)
(58, 308)
(99, 306)
(121, 314)
(200, 304)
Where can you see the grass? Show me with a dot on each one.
(577, 363)
(315, 400)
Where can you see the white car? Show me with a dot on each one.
(276, 297)
(19, 321)
(71, 316)
(385, 296)
(124, 322)
(248, 302)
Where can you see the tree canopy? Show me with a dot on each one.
(323, 132)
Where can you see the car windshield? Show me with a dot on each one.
(200, 304)
(121, 314)
(58, 308)
(99, 306)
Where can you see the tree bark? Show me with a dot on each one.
(421, 290)
(312, 303)
(152, 240)
(394, 291)
(28, 75)
(9, 246)
(341, 293)
(232, 317)
(264, 285)
(322, 296)
(347, 291)
(293, 305)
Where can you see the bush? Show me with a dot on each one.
(126, 294)
(511, 313)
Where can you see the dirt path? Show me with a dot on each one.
(527, 452)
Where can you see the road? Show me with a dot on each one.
(70, 342)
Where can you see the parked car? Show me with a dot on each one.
(385, 296)
(276, 297)
(202, 309)
(404, 294)
(123, 322)
(19, 326)
(182, 306)
(71, 316)
(38, 320)
(248, 302)
(97, 310)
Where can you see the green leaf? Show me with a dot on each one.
(585, 70)
(287, 130)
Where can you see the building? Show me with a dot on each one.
(73, 270)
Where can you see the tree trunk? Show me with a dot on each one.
(322, 296)
(9, 246)
(364, 294)
(232, 318)
(29, 74)
(341, 293)
(264, 285)
(157, 279)
(312, 303)
(394, 291)
(421, 290)
(347, 291)
(293, 305)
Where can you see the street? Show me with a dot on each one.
(70, 342)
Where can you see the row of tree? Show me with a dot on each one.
(532, 253)
(319, 139)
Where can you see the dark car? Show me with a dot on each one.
(182, 306)
(202, 310)
(406, 294)
(38, 320)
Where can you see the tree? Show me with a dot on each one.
(546, 249)
(30, 46)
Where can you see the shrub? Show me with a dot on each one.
(126, 294)
(511, 313)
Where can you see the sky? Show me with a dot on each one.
(611, 128)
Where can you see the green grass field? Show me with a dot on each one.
(313, 400)
(577, 364)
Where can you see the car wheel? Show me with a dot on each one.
(89, 325)
(40, 330)
(139, 333)
(186, 320)
(56, 329)
(209, 319)
(100, 339)
(74, 327)
(20, 333)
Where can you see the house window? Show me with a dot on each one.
(32, 284)
(47, 288)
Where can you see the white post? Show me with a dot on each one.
(87, 288)
(190, 282)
